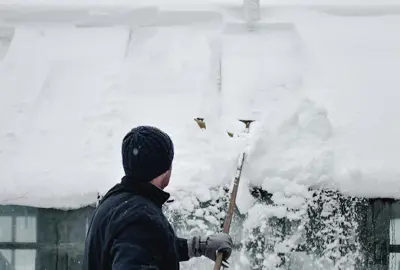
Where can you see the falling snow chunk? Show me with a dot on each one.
(199, 213)
(211, 219)
(203, 194)
(193, 222)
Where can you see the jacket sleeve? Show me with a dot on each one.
(137, 246)
(182, 246)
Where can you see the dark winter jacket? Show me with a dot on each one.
(130, 232)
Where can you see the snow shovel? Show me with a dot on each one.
(232, 201)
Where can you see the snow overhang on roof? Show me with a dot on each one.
(323, 89)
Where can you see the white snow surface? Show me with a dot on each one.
(322, 87)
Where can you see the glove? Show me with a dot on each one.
(210, 246)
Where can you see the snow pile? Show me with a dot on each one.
(44, 95)
(83, 89)
(350, 72)
(260, 69)
(295, 148)
(314, 129)
(273, 164)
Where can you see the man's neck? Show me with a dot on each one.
(156, 184)
(146, 189)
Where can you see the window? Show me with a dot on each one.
(18, 238)
(25, 230)
(35, 238)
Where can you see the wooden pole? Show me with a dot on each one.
(232, 201)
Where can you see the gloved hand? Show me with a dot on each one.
(220, 242)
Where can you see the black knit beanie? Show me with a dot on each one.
(147, 152)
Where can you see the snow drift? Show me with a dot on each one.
(321, 87)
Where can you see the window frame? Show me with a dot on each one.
(14, 211)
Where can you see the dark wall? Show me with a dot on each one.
(61, 235)
(374, 233)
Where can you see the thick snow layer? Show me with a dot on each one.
(341, 130)
(321, 87)
(350, 72)
(329, 114)
(356, 83)
(43, 80)
(82, 90)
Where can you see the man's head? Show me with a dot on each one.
(147, 154)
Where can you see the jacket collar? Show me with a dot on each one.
(145, 189)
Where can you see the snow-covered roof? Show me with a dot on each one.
(188, 3)
(323, 89)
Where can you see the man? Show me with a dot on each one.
(128, 230)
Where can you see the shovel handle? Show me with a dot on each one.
(218, 261)
(232, 201)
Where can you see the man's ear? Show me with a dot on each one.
(166, 178)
